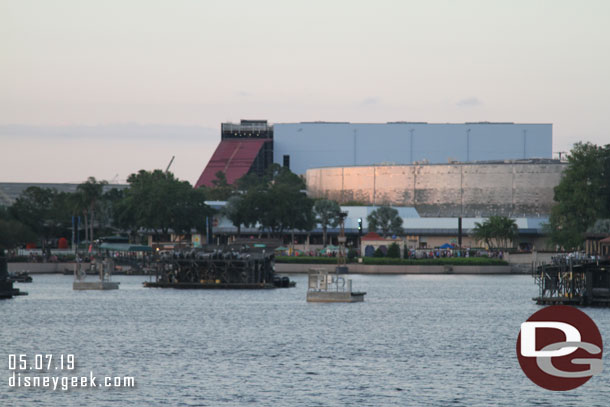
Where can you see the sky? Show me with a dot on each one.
(105, 88)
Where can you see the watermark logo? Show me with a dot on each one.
(560, 348)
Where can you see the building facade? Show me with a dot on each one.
(418, 232)
(320, 144)
(252, 145)
(520, 188)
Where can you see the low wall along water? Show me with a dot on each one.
(377, 269)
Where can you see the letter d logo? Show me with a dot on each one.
(528, 338)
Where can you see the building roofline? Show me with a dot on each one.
(417, 123)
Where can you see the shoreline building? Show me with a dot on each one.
(474, 169)
(418, 232)
(252, 145)
(513, 188)
(308, 145)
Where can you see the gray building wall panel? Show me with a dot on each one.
(312, 145)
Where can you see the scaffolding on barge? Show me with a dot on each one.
(217, 268)
(568, 281)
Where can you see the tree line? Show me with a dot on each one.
(153, 203)
(157, 203)
(582, 198)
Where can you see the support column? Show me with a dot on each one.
(460, 232)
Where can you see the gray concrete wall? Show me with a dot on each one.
(39, 268)
(524, 262)
(517, 189)
(371, 269)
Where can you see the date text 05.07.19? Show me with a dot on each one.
(41, 361)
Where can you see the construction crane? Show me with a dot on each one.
(170, 163)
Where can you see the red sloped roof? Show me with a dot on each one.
(372, 236)
(233, 157)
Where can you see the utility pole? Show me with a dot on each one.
(341, 263)
(359, 235)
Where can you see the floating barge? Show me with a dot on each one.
(230, 267)
(325, 286)
(574, 282)
(6, 283)
(103, 282)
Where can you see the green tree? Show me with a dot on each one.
(249, 181)
(385, 219)
(43, 211)
(327, 214)
(276, 202)
(582, 196)
(352, 254)
(255, 208)
(496, 232)
(78, 205)
(89, 193)
(296, 209)
(221, 190)
(235, 211)
(394, 251)
(378, 253)
(157, 202)
(61, 212)
(106, 205)
(12, 232)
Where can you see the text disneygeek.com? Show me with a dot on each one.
(69, 382)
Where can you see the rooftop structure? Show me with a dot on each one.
(246, 129)
(244, 148)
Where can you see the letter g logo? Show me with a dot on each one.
(555, 344)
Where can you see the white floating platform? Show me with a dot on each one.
(95, 285)
(329, 296)
(324, 286)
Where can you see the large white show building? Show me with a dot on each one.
(306, 145)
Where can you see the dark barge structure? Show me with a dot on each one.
(572, 281)
(6, 283)
(215, 267)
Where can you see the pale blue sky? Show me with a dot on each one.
(199, 63)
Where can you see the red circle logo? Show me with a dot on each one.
(559, 348)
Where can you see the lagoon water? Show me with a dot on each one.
(416, 340)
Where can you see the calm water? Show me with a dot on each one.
(416, 340)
